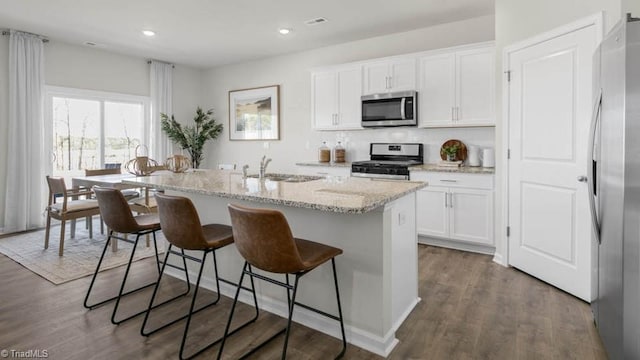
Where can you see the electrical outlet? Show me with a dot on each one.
(402, 218)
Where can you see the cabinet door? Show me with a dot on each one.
(349, 93)
(475, 87)
(471, 213)
(324, 100)
(376, 77)
(436, 93)
(403, 74)
(432, 216)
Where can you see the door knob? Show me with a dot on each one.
(582, 178)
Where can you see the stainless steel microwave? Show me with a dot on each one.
(390, 109)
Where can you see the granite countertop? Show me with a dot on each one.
(459, 169)
(330, 164)
(341, 195)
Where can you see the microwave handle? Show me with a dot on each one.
(402, 114)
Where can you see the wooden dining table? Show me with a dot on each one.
(111, 181)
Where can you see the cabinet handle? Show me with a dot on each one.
(337, 119)
(390, 80)
(449, 181)
(457, 113)
(451, 200)
(453, 118)
(446, 200)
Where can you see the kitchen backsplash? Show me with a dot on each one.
(357, 142)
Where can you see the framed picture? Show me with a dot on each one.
(254, 114)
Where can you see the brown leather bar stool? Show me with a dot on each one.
(181, 227)
(117, 215)
(264, 239)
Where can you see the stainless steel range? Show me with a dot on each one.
(389, 161)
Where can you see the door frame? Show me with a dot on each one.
(502, 251)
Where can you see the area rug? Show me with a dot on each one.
(81, 254)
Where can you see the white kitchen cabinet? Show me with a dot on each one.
(456, 207)
(456, 88)
(398, 74)
(342, 171)
(335, 99)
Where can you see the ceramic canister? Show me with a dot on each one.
(473, 156)
(488, 158)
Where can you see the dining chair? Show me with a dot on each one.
(264, 239)
(70, 208)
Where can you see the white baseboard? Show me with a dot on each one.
(498, 259)
(376, 344)
(457, 245)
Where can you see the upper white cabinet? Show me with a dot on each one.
(335, 98)
(457, 88)
(397, 74)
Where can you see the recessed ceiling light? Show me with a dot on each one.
(284, 31)
(148, 32)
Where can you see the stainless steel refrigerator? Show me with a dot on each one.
(614, 187)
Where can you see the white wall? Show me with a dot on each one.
(88, 68)
(292, 72)
(517, 20)
(631, 6)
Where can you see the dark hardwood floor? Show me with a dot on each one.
(471, 308)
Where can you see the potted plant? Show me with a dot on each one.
(192, 138)
(451, 151)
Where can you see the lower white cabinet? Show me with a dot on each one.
(461, 211)
(344, 171)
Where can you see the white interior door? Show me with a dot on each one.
(548, 120)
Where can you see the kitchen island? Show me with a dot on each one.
(373, 221)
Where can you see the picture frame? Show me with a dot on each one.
(254, 113)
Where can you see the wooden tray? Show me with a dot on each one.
(462, 150)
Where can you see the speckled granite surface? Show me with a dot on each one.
(459, 169)
(334, 194)
(330, 164)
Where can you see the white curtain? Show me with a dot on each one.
(161, 102)
(26, 192)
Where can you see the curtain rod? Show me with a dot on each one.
(44, 40)
(172, 65)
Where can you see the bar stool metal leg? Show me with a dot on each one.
(193, 301)
(292, 302)
(95, 274)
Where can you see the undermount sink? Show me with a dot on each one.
(288, 177)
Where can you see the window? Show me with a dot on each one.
(91, 129)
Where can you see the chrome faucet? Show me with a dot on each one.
(244, 171)
(263, 166)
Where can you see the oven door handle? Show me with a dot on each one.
(402, 105)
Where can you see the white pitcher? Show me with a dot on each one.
(488, 158)
(473, 156)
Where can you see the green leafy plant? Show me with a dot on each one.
(192, 138)
(451, 151)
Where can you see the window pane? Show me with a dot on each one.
(123, 128)
(76, 135)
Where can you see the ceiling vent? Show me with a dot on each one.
(316, 21)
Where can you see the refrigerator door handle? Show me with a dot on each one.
(593, 166)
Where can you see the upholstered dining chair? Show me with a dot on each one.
(264, 239)
(70, 208)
